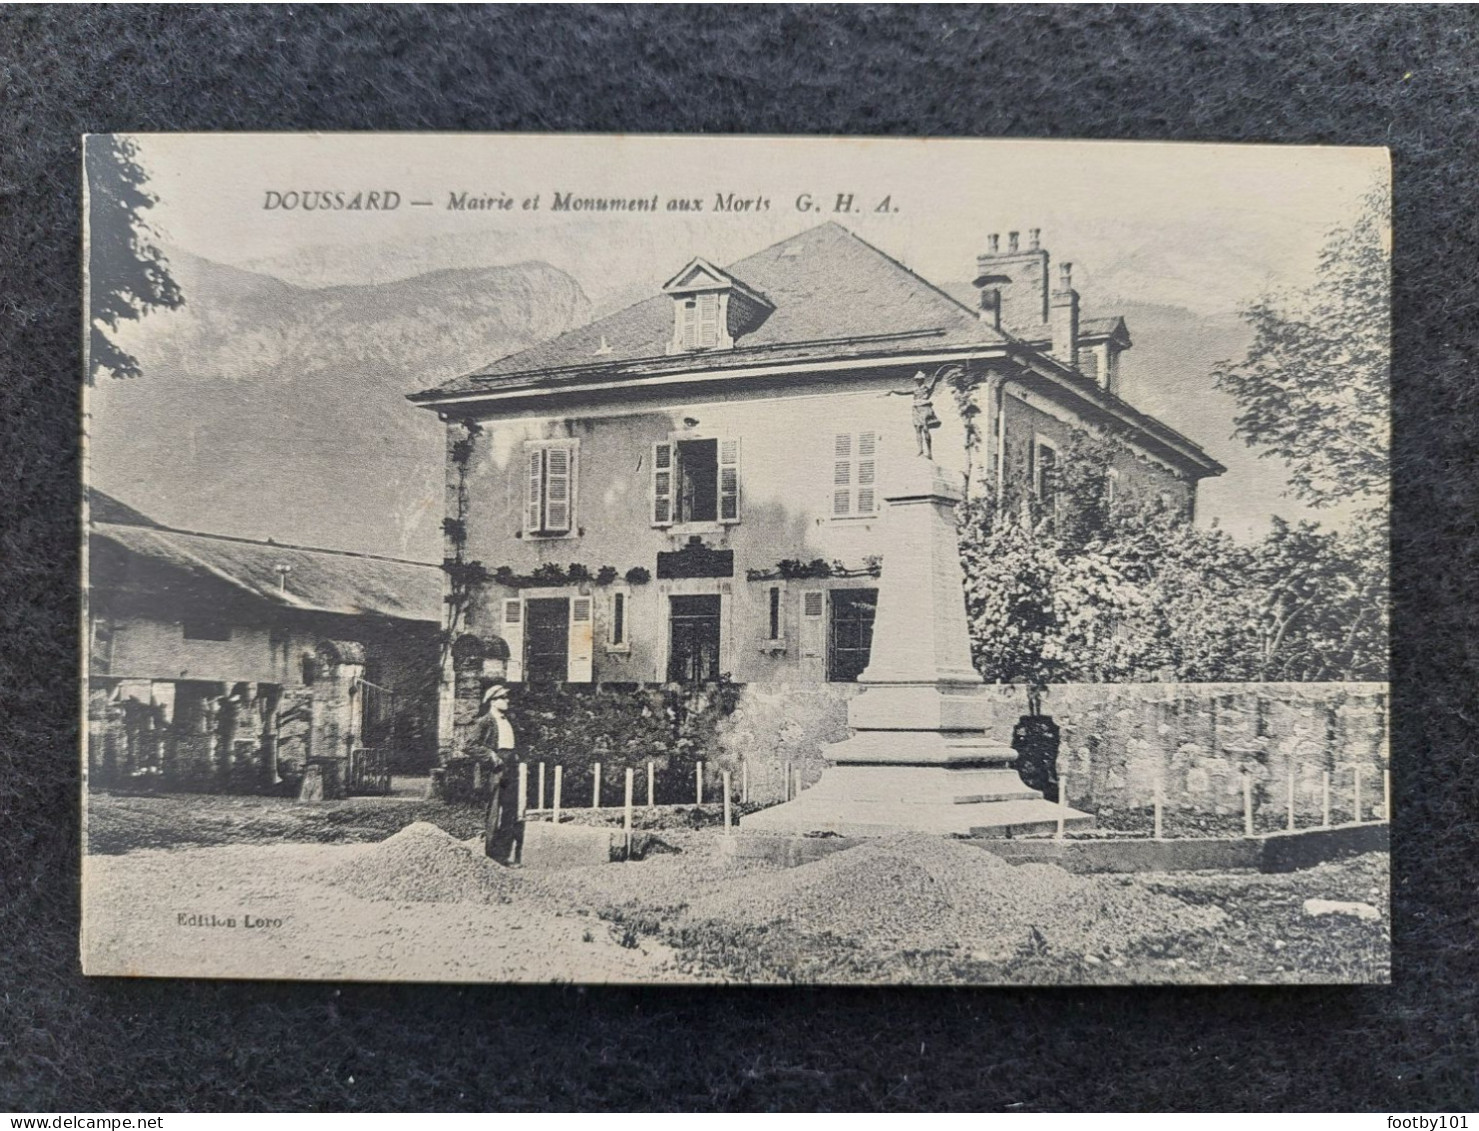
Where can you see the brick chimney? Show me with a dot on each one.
(1064, 318)
(1024, 291)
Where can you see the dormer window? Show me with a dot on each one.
(711, 308)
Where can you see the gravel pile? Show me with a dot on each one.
(918, 893)
(423, 864)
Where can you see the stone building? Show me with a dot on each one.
(693, 486)
(221, 663)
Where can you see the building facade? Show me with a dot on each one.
(692, 487)
(220, 663)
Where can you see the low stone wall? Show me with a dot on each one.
(1198, 740)
(775, 726)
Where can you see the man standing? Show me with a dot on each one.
(494, 741)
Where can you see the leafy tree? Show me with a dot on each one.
(128, 275)
(1151, 597)
(1323, 608)
(1314, 387)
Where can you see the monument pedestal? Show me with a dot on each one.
(919, 759)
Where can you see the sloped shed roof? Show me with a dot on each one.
(105, 508)
(326, 581)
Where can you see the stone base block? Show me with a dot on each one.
(870, 801)
(920, 748)
(926, 706)
(922, 784)
(551, 847)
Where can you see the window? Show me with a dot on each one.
(207, 628)
(698, 321)
(554, 635)
(775, 623)
(693, 643)
(550, 499)
(854, 474)
(1111, 486)
(546, 640)
(695, 481)
(1046, 468)
(850, 633)
(617, 636)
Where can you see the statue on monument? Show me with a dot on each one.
(925, 417)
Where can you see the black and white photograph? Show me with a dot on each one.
(653, 559)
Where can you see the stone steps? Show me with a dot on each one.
(820, 810)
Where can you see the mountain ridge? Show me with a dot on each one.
(268, 409)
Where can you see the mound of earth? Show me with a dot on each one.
(423, 864)
(920, 893)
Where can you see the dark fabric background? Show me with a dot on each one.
(1400, 76)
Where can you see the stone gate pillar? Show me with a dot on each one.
(336, 709)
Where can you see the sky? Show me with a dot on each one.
(1138, 212)
(1203, 227)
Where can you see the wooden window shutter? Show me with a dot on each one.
(559, 489)
(662, 484)
(708, 323)
(842, 474)
(813, 609)
(582, 644)
(729, 480)
(867, 472)
(513, 636)
(534, 499)
(688, 328)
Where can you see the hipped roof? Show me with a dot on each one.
(826, 287)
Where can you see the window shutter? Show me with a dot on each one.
(559, 484)
(842, 474)
(813, 607)
(513, 636)
(534, 499)
(867, 476)
(708, 323)
(729, 482)
(662, 484)
(688, 332)
(582, 649)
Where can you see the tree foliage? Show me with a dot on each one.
(127, 273)
(1143, 595)
(1314, 388)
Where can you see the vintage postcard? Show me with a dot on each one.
(729, 559)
